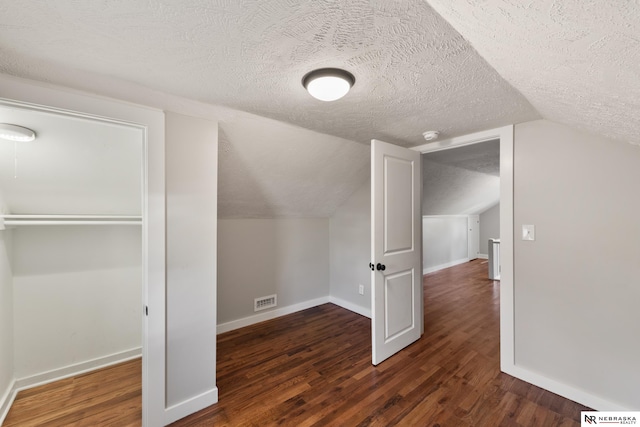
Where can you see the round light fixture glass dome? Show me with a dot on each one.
(16, 133)
(328, 84)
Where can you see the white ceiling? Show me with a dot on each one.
(75, 166)
(490, 63)
(413, 71)
(463, 180)
(576, 61)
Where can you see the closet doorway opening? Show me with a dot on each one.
(72, 216)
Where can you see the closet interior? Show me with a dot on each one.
(70, 245)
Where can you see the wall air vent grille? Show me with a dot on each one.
(265, 302)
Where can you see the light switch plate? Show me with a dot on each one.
(528, 232)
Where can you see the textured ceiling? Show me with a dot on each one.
(576, 61)
(463, 180)
(269, 169)
(413, 71)
(483, 158)
(284, 153)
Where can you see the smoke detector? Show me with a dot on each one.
(430, 135)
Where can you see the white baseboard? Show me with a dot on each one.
(77, 369)
(190, 406)
(268, 315)
(61, 373)
(363, 311)
(564, 390)
(483, 256)
(445, 265)
(7, 400)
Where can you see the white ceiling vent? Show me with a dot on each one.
(265, 302)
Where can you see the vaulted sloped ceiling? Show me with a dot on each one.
(413, 71)
(576, 61)
(461, 181)
(501, 62)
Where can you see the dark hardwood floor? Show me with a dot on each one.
(313, 368)
(105, 397)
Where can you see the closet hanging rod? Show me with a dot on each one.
(14, 222)
(71, 217)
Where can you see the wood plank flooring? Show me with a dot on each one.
(313, 368)
(105, 397)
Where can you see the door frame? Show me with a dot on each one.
(506, 137)
(41, 97)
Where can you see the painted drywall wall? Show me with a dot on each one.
(350, 251)
(489, 227)
(191, 191)
(576, 286)
(6, 314)
(261, 257)
(444, 241)
(77, 293)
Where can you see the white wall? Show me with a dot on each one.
(444, 241)
(261, 257)
(77, 295)
(191, 198)
(489, 227)
(6, 315)
(350, 251)
(577, 285)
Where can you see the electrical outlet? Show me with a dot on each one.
(361, 289)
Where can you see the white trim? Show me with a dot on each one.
(61, 373)
(505, 134)
(7, 400)
(187, 407)
(446, 216)
(77, 369)
(41, 96)
(562, 389)
(268, 315)
(483, 256)
(461, 141)
(363, 311)
(507, 280)
(445, 265)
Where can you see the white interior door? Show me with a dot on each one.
(396, 249)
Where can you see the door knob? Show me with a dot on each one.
(371, 266)
(380, 267)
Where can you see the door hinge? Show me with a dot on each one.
(146, 310)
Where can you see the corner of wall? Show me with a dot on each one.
(7, 379)
(350, 250)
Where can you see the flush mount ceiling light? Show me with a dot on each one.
(16, 133)
(328, 84)
(430, 135)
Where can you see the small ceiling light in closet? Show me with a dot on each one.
(328, 84)
(16, 133)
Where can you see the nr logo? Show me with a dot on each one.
(590, 419)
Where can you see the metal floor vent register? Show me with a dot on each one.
(265, 302)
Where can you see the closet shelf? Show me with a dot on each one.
(10, 220)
